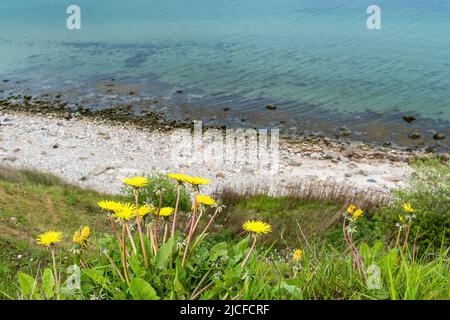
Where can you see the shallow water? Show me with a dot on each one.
(310, 58)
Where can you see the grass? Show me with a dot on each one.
(30, 202)
(308, 217)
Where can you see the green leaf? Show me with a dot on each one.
(97, 277)
(48, 283)
(136, 266)
(142, 290)
(164, 253)
(219, 250)
(28, 286)
(294, 292)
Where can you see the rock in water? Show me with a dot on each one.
(409, 119)
(344, 131)
(439, 136)
(271, 107)
(414, 135)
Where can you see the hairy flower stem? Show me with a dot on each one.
(356, 258)
(166, 230)
(249, 253)
(197, 220)
(191, 231)
(176, 209)
(55, 272)
(115, 267)
(115, 230)
(131, 238)
(206, 228)
(398, 237)
(82, 264)
(138, 219)
(150, 237)
(156, 221)
(124, 256)
(408, 229)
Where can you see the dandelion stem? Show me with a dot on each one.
(131, 238)
(398, 237)
(408, 228)
(82, 264)
(176, 209)
(191, 231)
(138, 219)
(249, 253)
(55, 273)
(199, 284)
(166, 229)
(124, 256)
(115, 230)
(206, 228)
(156, 221)
(115, 267)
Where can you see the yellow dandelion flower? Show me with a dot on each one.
(108, 205)
(257, 227)
(136, 182)
(206, 200)
(178, 177)
(408, 208)
(297, 255)
(125, 211)
(351, 208)
(401, 218)
(144, 210)
(81, 236)
(357, 214)
(165, 212)
(196, 181)
(49, 238)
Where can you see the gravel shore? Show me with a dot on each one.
(97, 155)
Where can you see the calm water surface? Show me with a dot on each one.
(309, 57)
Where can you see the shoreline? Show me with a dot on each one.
(405, 130)
(96, 153)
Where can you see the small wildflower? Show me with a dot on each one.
(125, 211)
(297, 255)
(206, 200)
(144, 210)
(81, 236)
(165, 212)
(180, 177)
(109, 205)
(408, 208)
(196, 181)
(351, 209)
(136, 182)
(357, 214)
(257, 227)
(49, 238)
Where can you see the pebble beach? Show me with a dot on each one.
(97, 154)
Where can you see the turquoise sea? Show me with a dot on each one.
(314, 59)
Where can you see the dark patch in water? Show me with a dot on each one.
(138, 59)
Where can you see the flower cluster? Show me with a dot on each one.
(351, 215)
(81, 236)
(142, 229)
